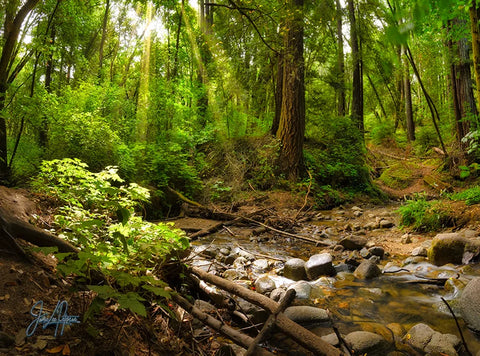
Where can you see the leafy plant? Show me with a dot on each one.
(97, 213)
(470, 195)
(423, 215)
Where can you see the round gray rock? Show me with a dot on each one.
(364, 342)
(367, 270)
(294, 269)
(306, 314)
(302, 289)
(260, 266)
(264, 285)
(353, 242)
(470, 304)
(419, 336)
(319, 265)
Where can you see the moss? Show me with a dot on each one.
(398, 176)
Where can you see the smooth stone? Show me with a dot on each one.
(443, 344)
(264, 285)
(225, 251)
(367, 270)
(353, 242)
(469, 304)
(302, 289)
(277, 294)
(419, 251)
(365, 342)
(230, 259)
(260, 266)
(331, 339)
(294, 269)
(447, 248)
(319, 265)
(377, 251)
(386, 224)
(419, 336)
(306, 314)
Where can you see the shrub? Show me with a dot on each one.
(423, 215)
(470, 195)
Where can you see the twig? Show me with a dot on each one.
(306, 196)
(458, 327)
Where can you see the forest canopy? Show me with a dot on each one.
(219, 96)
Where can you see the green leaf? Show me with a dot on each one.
(160, 292)
(123, 214)
(132, 301)
(104, 291)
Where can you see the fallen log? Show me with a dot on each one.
(15, 228)
(298, 333)
(233, 334)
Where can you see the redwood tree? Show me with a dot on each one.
(292, 118)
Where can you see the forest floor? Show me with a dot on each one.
(115, 332)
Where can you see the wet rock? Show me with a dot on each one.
(364, 342)
(332, 339)
(447, 248)
(470, 304)
(210, 251)
(419, 251)
(260, 266)
(343, 267)
(230, 259)
(254, 313)
(365, 253)
(302, 289)
(240, 262)
(6, 340)
(422, 337)
(225, 251)
(319, 265)
(245, 254)
(353, 242)
(277, 294)
(205, 306)
(294, 269)
(234, 274)
(306, 314)
(386, 224)
(264, 285)
(377, 251)
(367, 270)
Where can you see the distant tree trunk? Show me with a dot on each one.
(43, 132)
(11, 31)
(410, 124)
(104, 36)
(278, 94)
(475, 30)
(292, 120)
(340, 62)
(357, 87)
(177, 40)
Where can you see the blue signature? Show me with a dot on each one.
(59, 317)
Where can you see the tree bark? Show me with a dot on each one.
(410, 124)
(104, 36)
(475, 31)
(12, 30)
(292, 119)
(340, 62)
(278, 94)
(357, 88)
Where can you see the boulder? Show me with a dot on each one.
(364, 342)
(353, 242)
(447, 248)
(423, 338)
(264, 285)
(367, 270)
(470, 304)
(419, 336)
(294, 269)
(306, 314)
(319, 265)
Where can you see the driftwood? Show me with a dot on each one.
(270, 323)
(298, 333)
(235, 335)
(13, 228)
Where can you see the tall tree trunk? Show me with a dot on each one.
(340, 62)
(278, 94)
(475, 30)
(410, 124)
(177, 40)
(292, 120)
(357, 88)
(104, 36)
(12, 30)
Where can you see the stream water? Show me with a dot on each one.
(391, 303)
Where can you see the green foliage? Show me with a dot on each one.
(470, 195)
(382, 133)
(423, 215)
(98, 215)
(426, 138)
(398, 175)
(467, 171)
